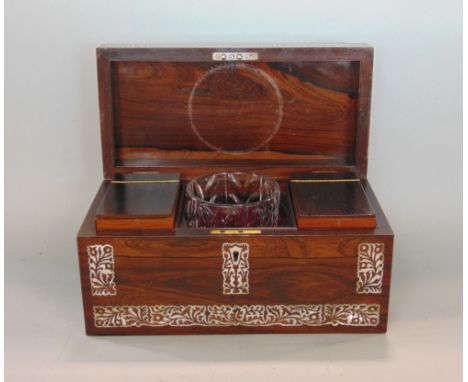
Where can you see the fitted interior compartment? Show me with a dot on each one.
(331, 201)
(139, 202)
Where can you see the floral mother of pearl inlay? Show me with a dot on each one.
(125, 316)
(101, 270)
(370, 268)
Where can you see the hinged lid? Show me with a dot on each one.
(275, 110)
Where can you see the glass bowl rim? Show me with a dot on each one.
(276, 190)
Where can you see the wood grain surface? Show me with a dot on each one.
(309, 106)
(233, 108)
(333, 202)
(139, 202)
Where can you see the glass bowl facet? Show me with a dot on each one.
(237, 199)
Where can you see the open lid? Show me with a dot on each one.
(276, 110)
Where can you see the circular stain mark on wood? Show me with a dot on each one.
(235, 108)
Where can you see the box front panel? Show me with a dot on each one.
(235, 284)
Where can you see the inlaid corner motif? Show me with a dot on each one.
(125, 316)
(235, 268)
(101, 270)
(370, 268)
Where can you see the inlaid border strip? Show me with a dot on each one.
(144, 181)
(101, 270)
(126, 316)
(235, 231)
(324, 180)
(370, 268)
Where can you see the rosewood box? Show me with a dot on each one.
(296, 115)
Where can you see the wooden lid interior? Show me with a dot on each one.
(166, 109)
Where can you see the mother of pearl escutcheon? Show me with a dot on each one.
(235, 268)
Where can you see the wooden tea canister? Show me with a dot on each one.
(299, 115)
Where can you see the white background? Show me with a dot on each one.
(53, 169)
